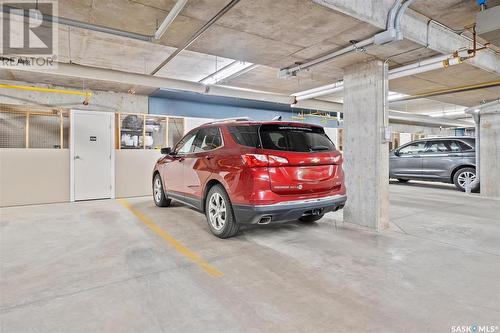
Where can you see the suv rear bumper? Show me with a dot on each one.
(287, 210)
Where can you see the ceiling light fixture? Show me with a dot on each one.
(226, 72)
(393, 96)
(446, 113)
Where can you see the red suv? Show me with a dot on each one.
(246, 172)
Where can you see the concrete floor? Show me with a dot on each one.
(95, 267)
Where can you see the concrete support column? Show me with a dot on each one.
(489, 165)
(366, 153)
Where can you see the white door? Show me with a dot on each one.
(404, 138)
(92, 155)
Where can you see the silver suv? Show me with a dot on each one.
(446, 160)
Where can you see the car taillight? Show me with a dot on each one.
(260, 160)
(277, 160)
(255, 160)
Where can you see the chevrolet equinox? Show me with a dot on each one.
(246, 172)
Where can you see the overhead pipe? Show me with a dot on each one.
(430, 64)
(399, 17)
(85, 94)
(395, 74)
(353, 47)
(443, 60)
(77, 24)
(102, 74)
(422, 66)
(319, 91)
(317, 94)
(390, 33)
(196, 35)
(393, 14)
(440, 92)
(172, 14)
(386, 36)
(179, 5)
(403, 117)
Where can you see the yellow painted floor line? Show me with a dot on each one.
(212, 271)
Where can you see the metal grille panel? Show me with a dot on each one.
(44, 131)
(175, 130)
(40, 126)
(12, 130)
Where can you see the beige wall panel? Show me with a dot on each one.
(33, 176)
(133, 171)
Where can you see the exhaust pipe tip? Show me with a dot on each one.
(265, 220)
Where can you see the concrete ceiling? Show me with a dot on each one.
(454, 76)
(455, 14)
(273, 34)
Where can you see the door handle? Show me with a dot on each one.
(77, 157)
(209, 157)
(453, 155)
(416, 156)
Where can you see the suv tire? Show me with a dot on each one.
(159, 196)
(311, 218)
(219, 213)
(460, 177)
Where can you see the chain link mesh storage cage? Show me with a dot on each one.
(147, 131)
(25, 126)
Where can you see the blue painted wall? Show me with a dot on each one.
(186, 108)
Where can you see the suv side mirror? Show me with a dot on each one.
(396, 152)
(166, 151)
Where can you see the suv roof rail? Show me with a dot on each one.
(229, 119)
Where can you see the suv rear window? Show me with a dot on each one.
(246, 135)
(283, 137)
(464, 146)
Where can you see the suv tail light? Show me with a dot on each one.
(261, 160)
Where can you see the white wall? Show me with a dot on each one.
(190, 123)
(416, 129)
(332, 133)
(404, 138)
(38, 176)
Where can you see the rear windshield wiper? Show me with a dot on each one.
(317, 148)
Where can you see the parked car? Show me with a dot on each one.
(446, 160)
(247, 172)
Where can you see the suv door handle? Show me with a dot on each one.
(417, 156)
(453, 155)
(209, 157)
